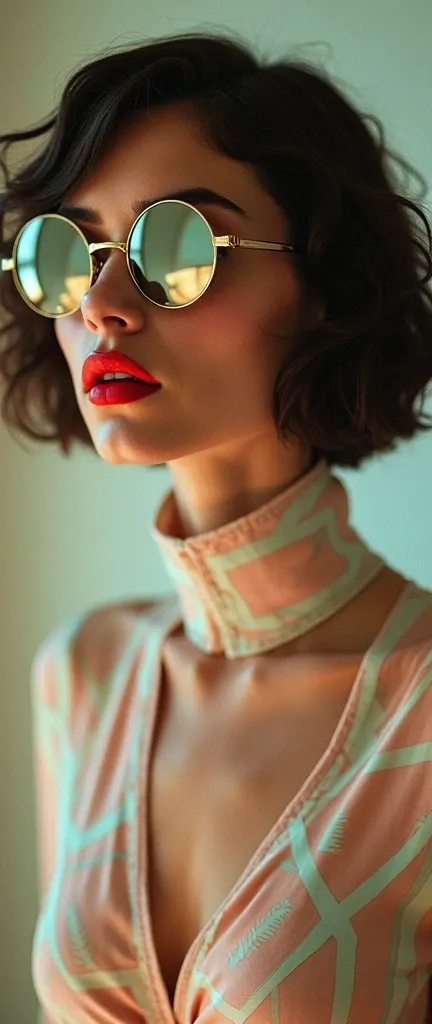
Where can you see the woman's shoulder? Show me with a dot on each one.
(408, 633)
(113, 621)
(92, 643)
(89, 659)
(416, 612)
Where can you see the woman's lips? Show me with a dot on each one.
(98, 364)
(119, 392)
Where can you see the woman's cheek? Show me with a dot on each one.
(67, 338)
(60, 331)
(67, 334)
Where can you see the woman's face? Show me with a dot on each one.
(216, 364)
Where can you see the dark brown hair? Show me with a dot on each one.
(348, 386)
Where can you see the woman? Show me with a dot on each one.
(232, 786)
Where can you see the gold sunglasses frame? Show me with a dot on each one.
(219, 241)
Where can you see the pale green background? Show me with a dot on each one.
(74, 533)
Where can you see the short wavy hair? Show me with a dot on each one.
(349, 385)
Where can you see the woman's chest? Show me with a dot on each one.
(215, 792)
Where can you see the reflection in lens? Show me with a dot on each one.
(53, 264)
(171, 253)
(153, 289)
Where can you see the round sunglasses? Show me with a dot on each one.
(171, 253)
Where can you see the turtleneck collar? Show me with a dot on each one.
(270, 576)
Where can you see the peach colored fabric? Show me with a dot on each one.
(268, 577)
(331, 921)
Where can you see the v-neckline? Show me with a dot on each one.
(166, 1013)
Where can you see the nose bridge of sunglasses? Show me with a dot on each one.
(95, 247)
(100, 252)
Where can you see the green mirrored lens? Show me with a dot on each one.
(171, 253)
(53, 264)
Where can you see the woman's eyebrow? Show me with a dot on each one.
(189, 195)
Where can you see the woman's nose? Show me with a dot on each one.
(113, 295)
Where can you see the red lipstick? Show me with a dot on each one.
(114, 391)
(99, 363)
